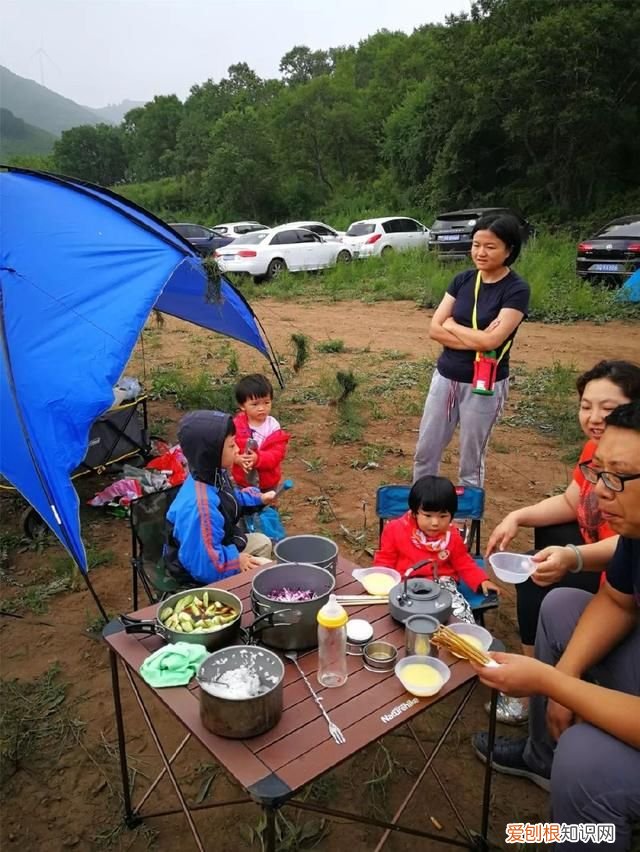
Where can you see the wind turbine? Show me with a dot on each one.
(42, 54)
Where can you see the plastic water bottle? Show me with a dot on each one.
(253, 477)
(332, 644)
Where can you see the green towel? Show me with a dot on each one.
(174, 665)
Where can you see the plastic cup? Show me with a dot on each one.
(472, 630)
(512, 567)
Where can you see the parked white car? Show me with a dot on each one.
(370, 237)
(265, 254)
(237, 229)
(320, 228)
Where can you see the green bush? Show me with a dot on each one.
(547, 263)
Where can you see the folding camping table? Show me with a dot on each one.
(274, 767)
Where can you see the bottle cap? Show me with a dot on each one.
(332, 614)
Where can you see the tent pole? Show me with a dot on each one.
(94, 595)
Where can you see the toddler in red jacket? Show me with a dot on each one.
(262, 443)
(426, 531)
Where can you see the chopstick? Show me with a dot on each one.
(361, 600)
(457, 644)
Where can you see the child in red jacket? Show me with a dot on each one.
(426, 531)
(261, 442)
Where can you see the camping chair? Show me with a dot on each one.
(148, 522)
(392, 501)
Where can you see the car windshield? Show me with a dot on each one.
(628, 229)
(251, 239)
(360, 229)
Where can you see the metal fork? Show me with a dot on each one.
(334, 730)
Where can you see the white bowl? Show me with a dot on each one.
(360, 574)
(441, 668)
(512, 567)
(463, 629)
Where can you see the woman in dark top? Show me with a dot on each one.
(480, 313)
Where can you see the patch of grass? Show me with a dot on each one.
(330, 346)
(302, 350)
(294, 830)
(547, 263)
(547, 403)
(406, 376)
(66, 578)
(403, 473)
(188, 393)
(35, 723)
(313, 465)
(350, 426)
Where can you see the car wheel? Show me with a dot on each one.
(276, 266)
(386, 251)
(344, 256)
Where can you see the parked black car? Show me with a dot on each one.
(613, 253)
(204, 240)
(451, 232)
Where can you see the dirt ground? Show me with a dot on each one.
(67, 797)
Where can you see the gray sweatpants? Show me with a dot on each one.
(449, 403)
(595, 778)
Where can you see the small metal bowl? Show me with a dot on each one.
(380, 657)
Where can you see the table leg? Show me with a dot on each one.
(483, 840)
(130, 820)
(165, 762)
(270, 834)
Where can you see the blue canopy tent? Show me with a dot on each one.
(80, 270)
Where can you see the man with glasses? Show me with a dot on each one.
(584, 718)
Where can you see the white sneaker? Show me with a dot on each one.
(510, 711)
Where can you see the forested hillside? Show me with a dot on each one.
(19, 137)
(534, 104)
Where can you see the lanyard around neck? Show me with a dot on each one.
(474, 320)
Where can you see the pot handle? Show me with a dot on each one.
(280, 618)
(258, 606)
(138, 625)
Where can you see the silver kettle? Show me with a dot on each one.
(419, 596)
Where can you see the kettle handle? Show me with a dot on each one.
(415, 567)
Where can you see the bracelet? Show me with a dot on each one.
(579, 558)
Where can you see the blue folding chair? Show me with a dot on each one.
(392, 501)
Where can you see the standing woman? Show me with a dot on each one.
(476, 320)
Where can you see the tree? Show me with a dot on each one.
(302, 64)
(93, 153)
(150, 138)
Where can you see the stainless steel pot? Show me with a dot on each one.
(309, 550)
(212, 640)
(238, 718)
(296, 575)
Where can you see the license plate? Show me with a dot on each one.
(448, 238)
(605, 267)
(228, 257)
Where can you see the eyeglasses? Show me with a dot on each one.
(612, 481)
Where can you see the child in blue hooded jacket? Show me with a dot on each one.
(205, 541)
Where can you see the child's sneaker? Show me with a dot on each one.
(508, 758)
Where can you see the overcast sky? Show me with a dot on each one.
(105, 51)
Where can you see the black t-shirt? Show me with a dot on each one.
(623, 572)
(510, 292)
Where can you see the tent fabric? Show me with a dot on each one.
(630, 290)
(80, 270)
